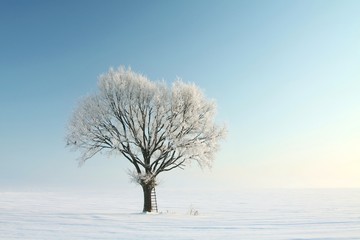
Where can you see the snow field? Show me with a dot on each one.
(245, 214)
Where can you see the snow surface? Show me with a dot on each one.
(245, 214)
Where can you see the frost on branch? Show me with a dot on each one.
(154, 126)
(143, 178)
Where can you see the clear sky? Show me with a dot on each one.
(285, 75)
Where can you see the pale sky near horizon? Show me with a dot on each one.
(285, 75)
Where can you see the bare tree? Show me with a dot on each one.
(155, 127)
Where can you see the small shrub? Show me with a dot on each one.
(193, 211)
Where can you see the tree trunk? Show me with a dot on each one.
(147, 197)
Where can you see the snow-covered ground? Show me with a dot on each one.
(245, 214)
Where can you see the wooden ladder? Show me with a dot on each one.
(153, 200)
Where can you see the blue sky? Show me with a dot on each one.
(285, 75)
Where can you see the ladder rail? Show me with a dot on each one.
(154, 200)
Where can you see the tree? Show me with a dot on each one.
(155, 127)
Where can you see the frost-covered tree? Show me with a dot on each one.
(155, 127)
